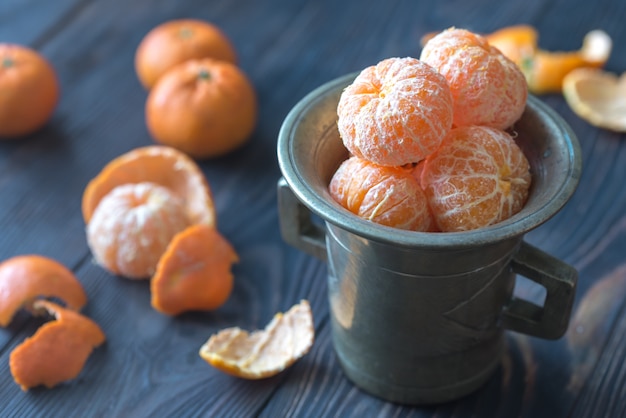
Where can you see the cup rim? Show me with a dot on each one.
(332, 212)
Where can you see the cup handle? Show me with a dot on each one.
(558, 278)
(296, 225)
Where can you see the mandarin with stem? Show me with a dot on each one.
(29, 90)
(395, 112)
(478, 177)
(174, 42)
(204, 108)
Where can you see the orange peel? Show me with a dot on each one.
(59, 349)
(158, 164)
(263, 353)
(25, 278)
(597, 96)
(194, 272)
(545, 70)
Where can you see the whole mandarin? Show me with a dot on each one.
(177, 41)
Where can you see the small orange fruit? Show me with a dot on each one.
(29, 90)
(28, 277)
(58, 351)
(162, 165)
(132, 226)
(487, 87)
(266, 352)
(194, 272)
(177, 41)
(390, 196)
(478, 177)
(395, 112)
(205, 108)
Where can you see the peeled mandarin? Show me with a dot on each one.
(487, 88)
(132, 227)
(390, 196)
(478, 177)
(395, 112)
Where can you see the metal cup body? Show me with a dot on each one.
(415, 324)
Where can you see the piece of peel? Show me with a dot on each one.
(57, 352)
(27, 277)
(597, 96)
(194, 272)
(263, 353)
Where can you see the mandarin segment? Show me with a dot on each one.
(132, 226)
(58, 351)
(396, 112)
(194, 273)
(163, 165)
(487, 88)
(262, 353)
(28, 277)
(478, 177)
(389, 196)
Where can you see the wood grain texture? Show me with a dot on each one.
(149, 365)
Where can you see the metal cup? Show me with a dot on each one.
(420, 317)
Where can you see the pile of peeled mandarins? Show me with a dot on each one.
(428, 138)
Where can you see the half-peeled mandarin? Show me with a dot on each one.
(263, 353)
(194, 272)
(132, 226)
(158, 164)
(59, 349)
(25, 278)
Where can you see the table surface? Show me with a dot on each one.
(149, 365)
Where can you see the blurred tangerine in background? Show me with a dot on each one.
(30, 90)
(176, 41)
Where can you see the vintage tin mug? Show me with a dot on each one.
(420, 317)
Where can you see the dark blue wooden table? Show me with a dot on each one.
(149, 365)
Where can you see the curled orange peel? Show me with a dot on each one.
(194, 272)
(158, 164)
(545, 70)
(597, 96)
(262, 353)
(59, 349)
(25, 278)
